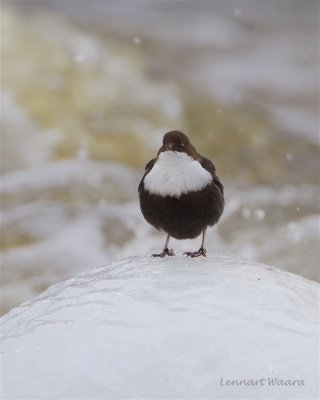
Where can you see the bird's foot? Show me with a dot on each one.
(166, 252)
(200, 252)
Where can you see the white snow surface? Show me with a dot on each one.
(169, 328)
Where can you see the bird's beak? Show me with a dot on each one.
(169, 146)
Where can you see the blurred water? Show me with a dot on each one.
(89, 88)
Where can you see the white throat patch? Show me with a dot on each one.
(176, 173)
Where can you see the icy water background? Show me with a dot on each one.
(89, 88)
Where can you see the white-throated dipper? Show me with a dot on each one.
(180, 192)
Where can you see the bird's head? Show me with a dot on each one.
(175, 141)
(178, 142)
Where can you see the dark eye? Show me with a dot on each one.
(182, 145)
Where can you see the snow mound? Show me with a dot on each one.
(174, 328)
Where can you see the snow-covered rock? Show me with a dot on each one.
(174, 328)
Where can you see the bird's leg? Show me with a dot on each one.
(202, 251)
(166, 251)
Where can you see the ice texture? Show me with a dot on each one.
(171, 328)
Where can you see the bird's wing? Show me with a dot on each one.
(147, 169)
(150, 165)
(208, 165)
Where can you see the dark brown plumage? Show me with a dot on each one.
(180, 192)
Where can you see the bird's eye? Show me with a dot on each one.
(182, 145)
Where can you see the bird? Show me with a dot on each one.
(180, 193)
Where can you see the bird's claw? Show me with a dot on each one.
(200, 252)
(166, 252)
